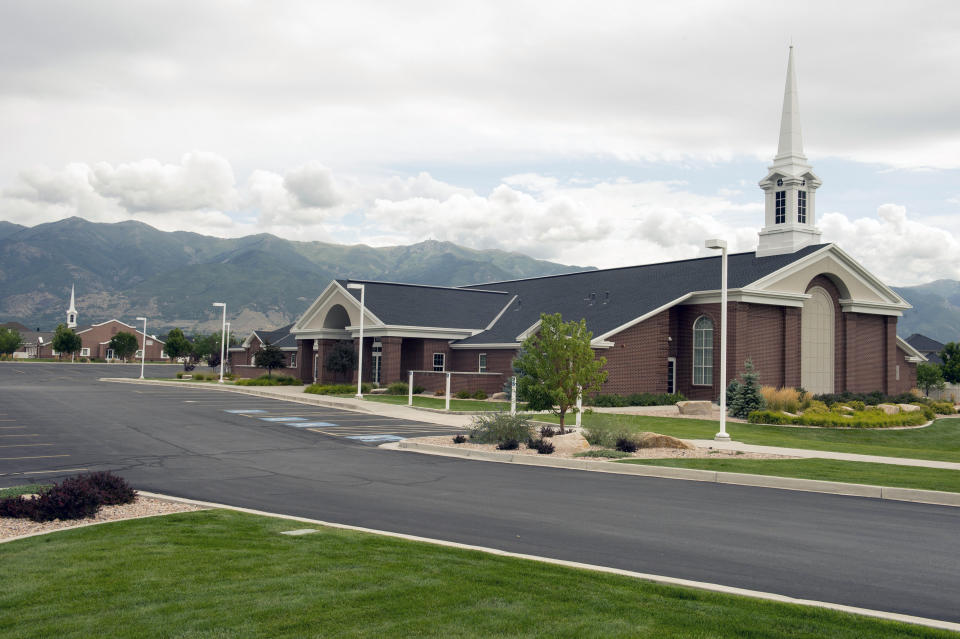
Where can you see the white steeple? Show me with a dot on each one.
(72, 311)
(790, 185)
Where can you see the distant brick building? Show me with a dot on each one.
(243, 359)
(806, 313)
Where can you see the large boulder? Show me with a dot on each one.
(570, 443)
(695, 408)
(656, 440)
(500, 395)
(889, 409)
(909, 408)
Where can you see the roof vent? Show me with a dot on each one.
(606, 297)
(590, 299)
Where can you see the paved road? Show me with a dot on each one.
(890, 556)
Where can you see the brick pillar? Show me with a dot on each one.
(849, 352)
(323, 350)
(305, 360)
(791, 346)
(736, 339)
(391, 370)
(365, 352)
(889, 354)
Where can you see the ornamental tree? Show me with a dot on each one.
(10, 341)
(342, 358)
(177, 345)
(951, 362)
(269, 357)
(930, 376)
(65, 341)
(124, 344)
(556, 364)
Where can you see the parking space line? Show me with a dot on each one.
(43, 472)
(24, 435)
(10, 427)
(36, 457)
(22, 445)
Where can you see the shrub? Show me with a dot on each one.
(464, 394)
(179, 374)
(816, 408)
(605, 452)
(608, 400)
(418, 389)
(785, 399)
(480, 395)
(459, 439)
(943, 408)
(16, 507)
(336, 389)
(542, 446)
(73, 498)
(547, 431)
(626, 444)
(492, 428)
(113, 489)
(746, 398)
(508, 444)
(199, 377)
(398, 388)
(264, 380)
(856, 404)
(440, 392)
(861, 419)
(635, 399)
(601, 437)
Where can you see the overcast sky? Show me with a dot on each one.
(593, 133)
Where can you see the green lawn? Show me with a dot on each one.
(27, 489)
(439, 402)
(939, 441)
(226, 574)
(824, 469)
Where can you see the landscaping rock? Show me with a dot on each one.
(695, 408)
(909, 408)
(889, 409)
(569, 443)
(499, 396)
(656, 440)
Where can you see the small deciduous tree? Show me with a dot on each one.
(951, 362)
(207, 347)
(342, 358)
(124, 344)
(177, 345)
(65, 341)
(10, 341)
(269, 357)
(930, 376)
(556, 364)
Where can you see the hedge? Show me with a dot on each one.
(859, 419)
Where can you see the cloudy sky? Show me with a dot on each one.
(600, 133)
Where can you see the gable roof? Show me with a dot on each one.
(281, 337)
(609, 299)
(430, 306)
(928, 347)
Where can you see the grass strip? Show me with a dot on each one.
(824, 469)
(227, 574)
(26, 489)
(439, 402)
(939, 441)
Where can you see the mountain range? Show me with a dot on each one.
(128, 269)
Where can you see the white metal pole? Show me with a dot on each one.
(227, 340)
(143, 348)
(447, 407)
(363, 291)
(579, 405)
(223, 336)
(410, 390)
(513, 395)
(723, 347)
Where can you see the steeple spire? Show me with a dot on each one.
(790, 185)
(791, 136)
(72, 311)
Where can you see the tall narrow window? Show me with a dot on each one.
(482, 364)
(377, 353)
(703, 351)
(802, 207)
(780, 208)
(438, 362)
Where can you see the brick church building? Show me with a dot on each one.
(806, 313)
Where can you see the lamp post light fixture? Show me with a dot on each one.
(363, 292)
(143, 347)
(223, 335)
(722, 245)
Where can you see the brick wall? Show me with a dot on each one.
(638, 361)
(489, 383)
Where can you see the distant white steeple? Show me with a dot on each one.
(790, 185)
(72, 311)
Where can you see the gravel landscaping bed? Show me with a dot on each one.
(142, 507)
(648, 453)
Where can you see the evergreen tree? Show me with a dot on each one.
(746, 397)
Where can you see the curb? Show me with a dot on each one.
(935, 497)
(660, 579)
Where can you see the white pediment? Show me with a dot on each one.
(860, 290)
(313, 323)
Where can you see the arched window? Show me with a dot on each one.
(703, 351)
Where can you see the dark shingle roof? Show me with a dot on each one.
(610, 298)
(434, 306)
(929, 347)
(281, 337)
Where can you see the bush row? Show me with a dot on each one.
(276, 380)
(336, 389)
(465, 394)
(636, 399)
(859, 419)
(73, 498)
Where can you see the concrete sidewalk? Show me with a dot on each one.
(296, 394)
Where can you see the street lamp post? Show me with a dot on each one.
(223, 335)
(363, 292)
(228, 341)
(143, 347)
(722, 245)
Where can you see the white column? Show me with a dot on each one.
(143, 348)
(579, 406)
(447, 407)
(513, 395)
(410, 390)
